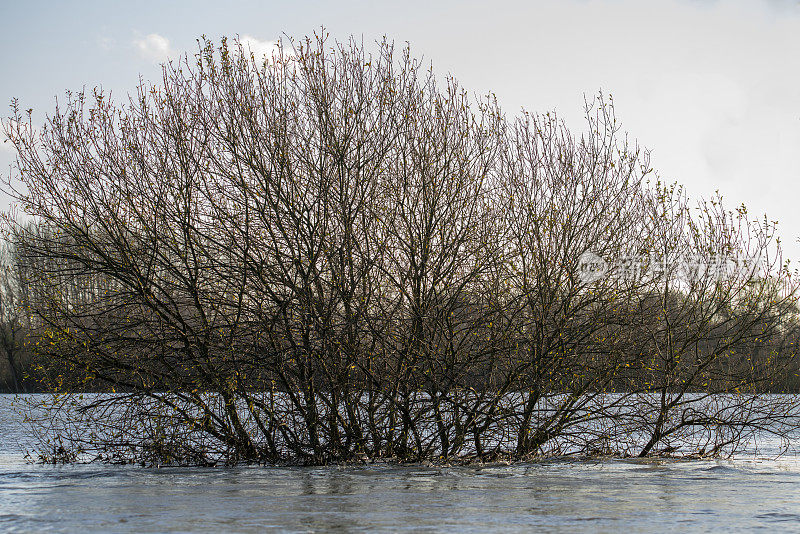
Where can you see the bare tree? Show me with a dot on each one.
(716, 304)
(328, 254)
(568, 197)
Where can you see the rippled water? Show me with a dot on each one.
(613, 495)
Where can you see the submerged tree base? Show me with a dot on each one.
(153, 431)
(498, 460)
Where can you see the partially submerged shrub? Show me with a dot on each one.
(328, 255)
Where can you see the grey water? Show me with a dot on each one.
(748, 492)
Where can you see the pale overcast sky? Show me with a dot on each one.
(713, 88)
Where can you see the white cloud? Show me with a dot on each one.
(154, 47)
(260, 49)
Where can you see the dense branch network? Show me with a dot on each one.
(329, 254)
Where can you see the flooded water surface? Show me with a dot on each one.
(557, 496)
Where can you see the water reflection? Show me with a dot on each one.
(559, 496)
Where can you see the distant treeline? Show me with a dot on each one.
(23, 369)
(330, 255)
